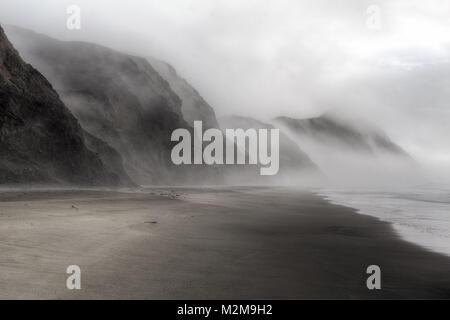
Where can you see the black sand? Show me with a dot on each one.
(200, 243)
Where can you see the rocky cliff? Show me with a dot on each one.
(120, 99)
(40, 140)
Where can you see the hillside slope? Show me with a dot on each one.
(193, 106)
(295, 166)
(40, 140)
(328, 130)
(120, 99)
(351, 152)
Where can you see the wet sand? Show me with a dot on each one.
(204, 243)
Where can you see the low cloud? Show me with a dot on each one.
(297, 58)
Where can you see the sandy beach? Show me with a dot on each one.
(204, 243)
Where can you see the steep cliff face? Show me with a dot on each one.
(40, 140)
(118, 98)
(111, 159)
(193, 106)
(295, 166)
(350, 152)
(344, 135)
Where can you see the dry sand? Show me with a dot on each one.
(204, 243)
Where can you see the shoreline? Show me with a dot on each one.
(205, 243)
(418, 216)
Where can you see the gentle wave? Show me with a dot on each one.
(419, 215)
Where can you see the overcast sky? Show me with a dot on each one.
(266, 58)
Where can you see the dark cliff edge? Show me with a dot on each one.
(120, 99)
(40, 140)
(193, 106)
(352, 151)
(327, 129)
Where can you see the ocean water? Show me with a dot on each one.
(420, 215)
